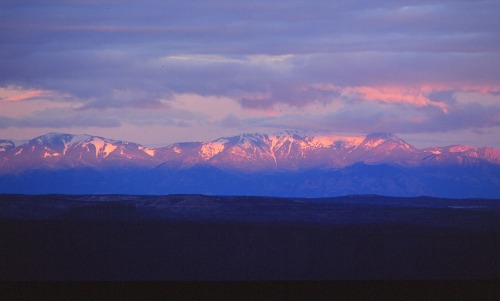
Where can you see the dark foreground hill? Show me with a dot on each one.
(196, 237)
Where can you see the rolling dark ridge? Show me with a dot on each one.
(481, 180)
(196, 237)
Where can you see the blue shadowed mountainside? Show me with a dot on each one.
(288, 164)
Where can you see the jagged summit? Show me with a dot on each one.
(61, 151)
(289, 163)
(285, 150)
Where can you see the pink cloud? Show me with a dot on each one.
(385, 94)
(402, 95)
(12, 95)
(414, 96)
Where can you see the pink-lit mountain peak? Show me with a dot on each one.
(287, 150)
(59, 150)
(302, 138)
(58, 144)
(293, 150)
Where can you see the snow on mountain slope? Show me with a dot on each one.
(332, 141)
(285, 151)
(489, 154)
(382, 148)
(208, 150)
(293, 150)
(458, 154)
(57, 150)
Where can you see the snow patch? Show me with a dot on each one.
(459, 148)
(177, 150)
(211, 149)
(322, 141)
(101, 147)
(48, 155)
(277, 142)
(98, 143)
(108, 149)
(328, 141)
(373, 144)
(148, 151)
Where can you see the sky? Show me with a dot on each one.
(157, 72)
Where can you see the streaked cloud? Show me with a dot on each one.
(220, 66)
(12, 94)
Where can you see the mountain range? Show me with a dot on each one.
(289, 163)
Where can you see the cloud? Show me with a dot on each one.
(11, 94)
(61, 118)
(366, 117)
(398, 95)
(350, 65)
(230, 121)
(14, 94)
(69, 117)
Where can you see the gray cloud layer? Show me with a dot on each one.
(137, 55)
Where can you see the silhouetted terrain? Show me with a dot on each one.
(196, 237)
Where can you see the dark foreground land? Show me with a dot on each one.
(193, 237)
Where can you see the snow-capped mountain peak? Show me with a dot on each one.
(286, 150)
(287, 163)
(60, 150)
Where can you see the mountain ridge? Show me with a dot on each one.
(288, 150)
(289, 164)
